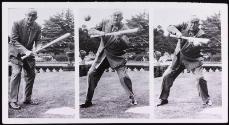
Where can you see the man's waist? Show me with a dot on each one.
(190, 58)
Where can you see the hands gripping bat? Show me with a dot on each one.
(193, 39)
(118, 32)
(49, 44)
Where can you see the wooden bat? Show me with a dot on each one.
(118, 32)
(66, 35)
(198, 40)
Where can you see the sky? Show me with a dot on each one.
(176, 15)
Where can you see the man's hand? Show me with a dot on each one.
(179, 35)
(92, 69)
(195, 43)
(95, 32)
(173, 30)
(29, 53)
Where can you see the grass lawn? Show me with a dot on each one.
(184, 101)
(110, 99)
(52, 90)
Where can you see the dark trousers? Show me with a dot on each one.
(171, 74)
(95, 75)
(28, 67)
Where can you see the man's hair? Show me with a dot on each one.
(118, 12)
(194, 18)
(31, 11)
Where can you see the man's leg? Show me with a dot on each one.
(93, 78)
(14, 85)
(126, 83)
(29, 74)
(202, 85)
(168, 79)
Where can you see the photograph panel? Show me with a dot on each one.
(188, 62)
(114, 62)
(41, 63)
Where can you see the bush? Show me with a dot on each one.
(61, 58)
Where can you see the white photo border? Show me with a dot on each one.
(75, 6)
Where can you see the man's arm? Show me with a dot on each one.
(97, 30)
(15, 39)
(173, 30)
(38, 38)
(124, 38)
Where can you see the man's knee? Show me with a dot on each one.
(31, 74)
(16, 72)
(127, 80)
(90, 73)
(202, 82)
(167, 76)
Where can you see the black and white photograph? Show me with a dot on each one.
(41, 63)
(188, 62)
(114, 62)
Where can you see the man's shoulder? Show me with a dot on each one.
(124, 25)
(21, 21)
(37, 25)
(106, 22)
(200, 33)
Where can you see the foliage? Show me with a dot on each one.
(140, 40)
(61, 58)
(56, 26)
(212, 28)
(86, 43)
(162, 43)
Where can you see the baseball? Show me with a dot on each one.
(87, 18)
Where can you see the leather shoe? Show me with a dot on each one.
(133, 101)
(163, 102)
(30, 102)
(86, 105)
(208, 103)
(14, 105)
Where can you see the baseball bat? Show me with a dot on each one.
(199, 40)
(118, 32)
(66, 35)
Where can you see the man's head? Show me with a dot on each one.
(117, 17)
(194, 23)
(31, 16)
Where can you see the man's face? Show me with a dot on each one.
(117, 18)
(31, 17)
(194, 26)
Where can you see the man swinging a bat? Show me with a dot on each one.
(110, 54)
(188, 56)
(25, 33)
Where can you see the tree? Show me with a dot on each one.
(56, 26)
(86, 43)
(163, 43)
(140, 40)
(212, 28)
